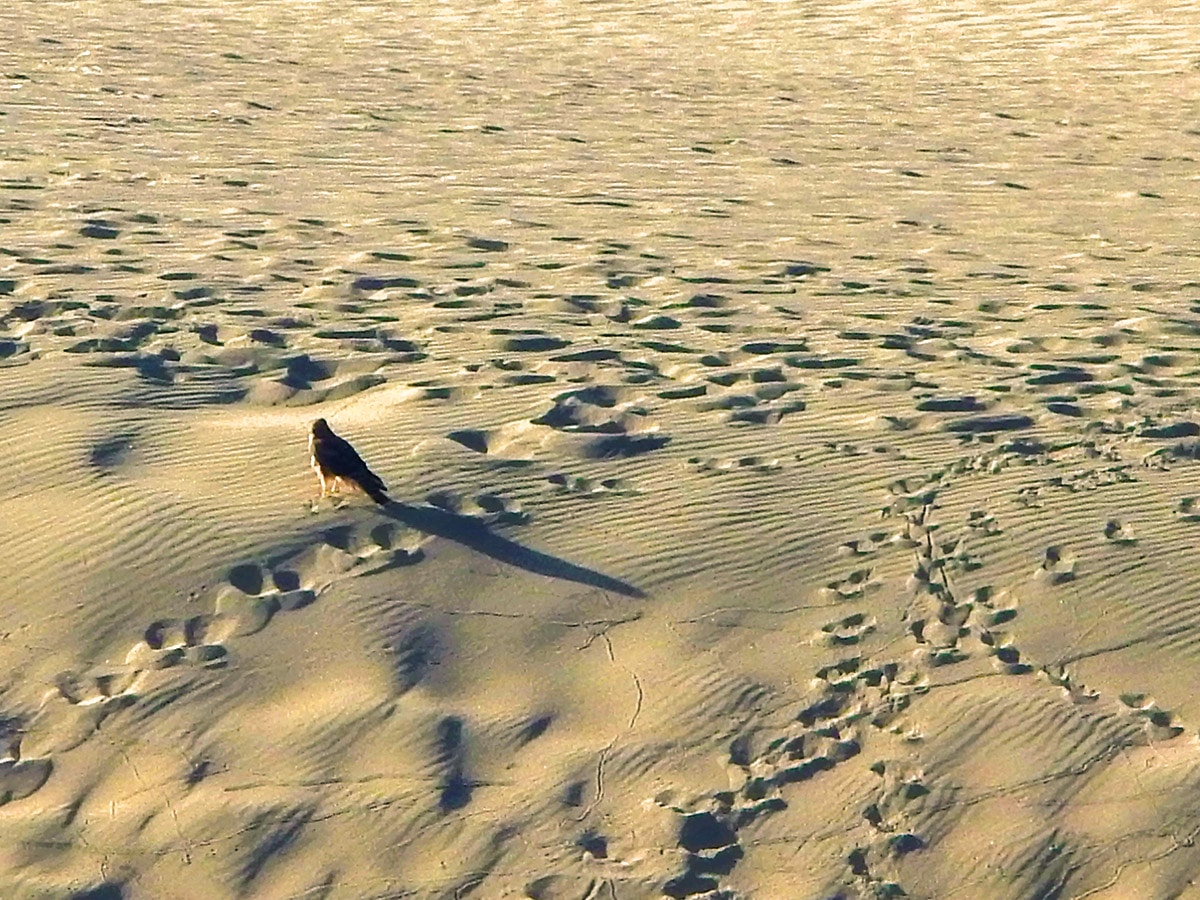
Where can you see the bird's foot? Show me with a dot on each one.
(325, 499)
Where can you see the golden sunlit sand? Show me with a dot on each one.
(788, 413)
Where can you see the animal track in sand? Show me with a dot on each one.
(1057, 566)
(251, 612)
(712, 849)
(853, 586)
(1118, 532)
(597, 408)
(1158, 724)
(199, 640)
(489, 508)
(899, 799)
(941, 624)
(620, 446)
(18, 777)
(850, 630)
(844, 448)
(972, 625)
(1091, 478)
(308, 381)
(1187, 509)
(853, 697)
(1060, 677)
(846, 699)
(905, 501)
(251, 594)
(980, 520)
(1029, 498)
(590, 487)
(867, 544)
(711, 465)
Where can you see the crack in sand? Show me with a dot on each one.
(603, 624)
(607, 750)
(699, 619)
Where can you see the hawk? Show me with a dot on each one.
(336, 462)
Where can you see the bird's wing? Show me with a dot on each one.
(337, 457)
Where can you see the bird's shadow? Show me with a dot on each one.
(475, 535)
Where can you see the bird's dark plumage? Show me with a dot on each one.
(335, 460)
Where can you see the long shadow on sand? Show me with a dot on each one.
(474, 534)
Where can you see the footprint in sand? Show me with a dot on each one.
(712, 849)
(488, 508)
(1028, 497)
(908, 501)
(981, 521)
(18, 777)
(98, 693)
(1187, 510)
(1075, 691)
(1118, 532)
(1157, 723)
(712, 465)
(1006, 656)
(251, 594)
(846, 699)
(512, 443)
(853, 586)
(866, 545)
(246, 604)
(1057, 566)
(850, 630)
(92, 697)
(305, 381)
(590, 487)
(992, 608)
(764, 404)
(890, 819)
(168, 642)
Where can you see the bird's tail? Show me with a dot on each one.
(375, 489)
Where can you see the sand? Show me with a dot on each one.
(789, 410)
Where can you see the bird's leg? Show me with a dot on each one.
(316, 504)
(335, 490)
(321, 478)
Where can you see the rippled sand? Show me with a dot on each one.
(789, 410)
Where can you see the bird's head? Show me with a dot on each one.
(320, 427)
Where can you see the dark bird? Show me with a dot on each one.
(336, 462)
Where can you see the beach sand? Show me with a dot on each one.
(789, 412)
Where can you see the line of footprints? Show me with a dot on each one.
(155, 669)
(848, 698)
(853, 696)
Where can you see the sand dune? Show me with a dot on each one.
(789, 413)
